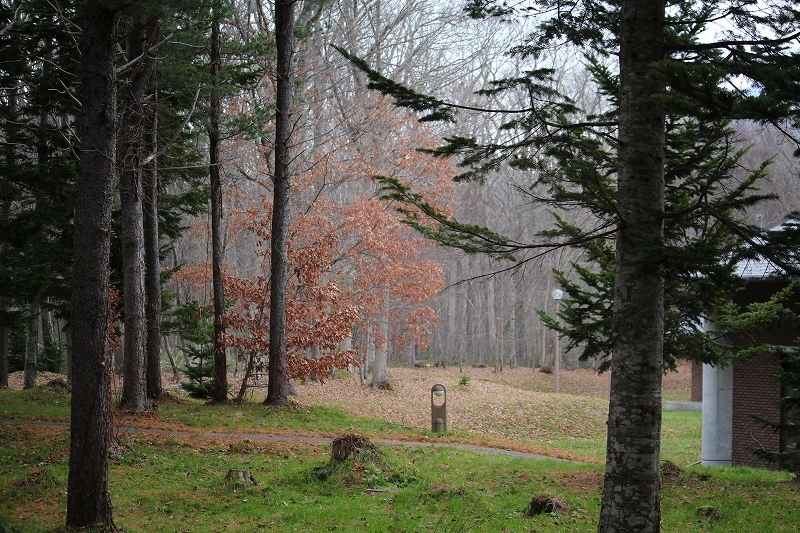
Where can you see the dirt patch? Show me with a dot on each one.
(585, 481)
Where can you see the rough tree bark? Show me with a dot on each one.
(5, 215)
(88, 501)
(217, 252)
(631, 490)
(132, 131)
(152, 275)
(278, 388)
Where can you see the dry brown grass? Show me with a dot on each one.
(16, 379)
(511, 405)
(515, 404)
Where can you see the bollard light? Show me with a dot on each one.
(438, 408)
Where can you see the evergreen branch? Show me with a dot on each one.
(476, 239)
(151, 48)
(17, 6)
(470, 238)
(404, 96)
(757, 247)
(441, 109)
(730, 44)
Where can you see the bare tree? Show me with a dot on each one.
(278, 391)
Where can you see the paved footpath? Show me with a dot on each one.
(263, 437)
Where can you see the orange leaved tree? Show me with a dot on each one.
(353, 265)
(318, 317)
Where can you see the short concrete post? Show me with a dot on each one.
(438, 412)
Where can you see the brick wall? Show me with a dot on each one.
(697, 382)
(755, 391)
(761, 291)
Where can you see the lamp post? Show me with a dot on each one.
(557, 295)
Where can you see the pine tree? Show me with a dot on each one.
(37, 165)
(202, 381)
(88, 500)
(142, 30)
(663, 63)
(194, 324)
(702, 165)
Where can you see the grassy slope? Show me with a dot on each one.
(177, 484)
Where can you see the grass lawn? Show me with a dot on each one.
(178, 483)
(680, 440)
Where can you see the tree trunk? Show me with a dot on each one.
(313, 352)
(5, 216)
(278, 388)
(520, 340)
(217, 251)
(382, 351)
(369, 355)
(631, 490)
(463, 328)
(152, 284)
(31, 345)
(543, 361)
(134, 392)
(175, 372)
(151, 249)
(48, 331)
(88, 501)
(5, 332)
(68, 342)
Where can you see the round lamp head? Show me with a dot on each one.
(438, 390)
(558, 294)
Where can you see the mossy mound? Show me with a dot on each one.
(355, 460)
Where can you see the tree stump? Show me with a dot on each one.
(349, 446)
(240, 477)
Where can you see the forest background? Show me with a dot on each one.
(404, 299)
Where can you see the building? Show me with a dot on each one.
(731, 395)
